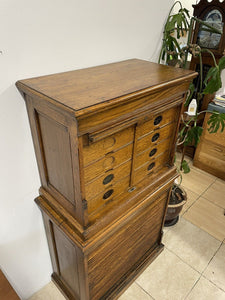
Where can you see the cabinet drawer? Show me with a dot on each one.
(151, 167)
(157, 121)
(111, 261)
(109, 144)
(108, 179)
(213, 152)
(108, 194)
(108, 162)
(152, 153)
(155, 137)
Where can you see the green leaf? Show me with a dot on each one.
(221, 63)
(216, 120)
(193, 136)
(185, 166)
(191, 92)
(212, 81)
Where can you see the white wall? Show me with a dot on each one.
(188, 4)
(42, 37)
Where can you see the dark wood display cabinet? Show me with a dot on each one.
(104, 139)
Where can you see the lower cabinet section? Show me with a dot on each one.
(103, 266)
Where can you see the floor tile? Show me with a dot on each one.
(197, 181)
(216, 269)
(135, 292)
(50, 292)
(207, 216)
(168, 277)
(193, 245)
(205, 290)
(191, 198)
(179, 156)
(216, 193)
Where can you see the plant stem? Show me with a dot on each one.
(201, 74)
(213, 56)
(164, 33)
(215, 30)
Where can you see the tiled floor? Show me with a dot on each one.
(192, 265)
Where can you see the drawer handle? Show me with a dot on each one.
(108, 178)
(108, 162)
(109, 142)
(108, 194)
(152, 152)
(151, 166)
(155, 137)
(157, 120)
(130, 190)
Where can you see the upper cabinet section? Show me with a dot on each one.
(87, 90)
(105, 136)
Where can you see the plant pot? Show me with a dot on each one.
(175, 206)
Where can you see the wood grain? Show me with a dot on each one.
(105, 179)
(6, 290)
(210, 153)
(101, 84)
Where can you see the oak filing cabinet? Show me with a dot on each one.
(104, 140)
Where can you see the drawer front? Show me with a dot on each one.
(109, 144)
(120, 252)
(152, 153)
(108, 179)
(155, 137)
(158, 121)
(213, 152)
(108, 162)
(151, 168)
(108, 195)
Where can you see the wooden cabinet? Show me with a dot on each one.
(210, 153)
(105, 139)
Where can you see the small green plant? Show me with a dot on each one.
(176, 26)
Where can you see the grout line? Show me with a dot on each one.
(192, 287)
(213, 283)
(144, 290)
(191, 204)
(213, 256)
(183, 260)
(208, 187)
(203, 229)
(213, 203)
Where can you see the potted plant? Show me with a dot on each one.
(178, 197)
(177, 25)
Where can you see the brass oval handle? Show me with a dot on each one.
(157, 120)
(153, 152)
(108, 179)
(151, 166)
(155, 137)
(108, 194)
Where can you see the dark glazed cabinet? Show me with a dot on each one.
(104, 140)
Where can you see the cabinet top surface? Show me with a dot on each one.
(85, 89)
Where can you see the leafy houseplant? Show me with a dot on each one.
(178, 25)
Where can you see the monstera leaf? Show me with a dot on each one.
(213, 78)
(216, 121)
(193, 136)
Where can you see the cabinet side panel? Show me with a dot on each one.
(67, 261)
(56, 148)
